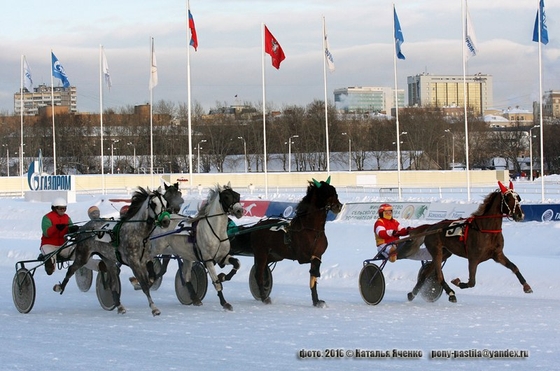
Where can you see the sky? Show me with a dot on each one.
(228, 61)
(72, 332)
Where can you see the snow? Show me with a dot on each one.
(72, 331)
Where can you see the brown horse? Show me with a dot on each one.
(302, 239)
(477, 238)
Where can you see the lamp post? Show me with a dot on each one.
(452, 146)
(113, 141)
(244, 150)
(7, 159)
(198, 155)
(290, 152)
(531, 151)
(133, 155)
(349, 152)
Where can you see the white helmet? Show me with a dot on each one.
(59, 201)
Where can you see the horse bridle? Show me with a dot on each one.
(235, 198)
(516, 205)
(158, 218)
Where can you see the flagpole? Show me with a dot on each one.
(464, 12)
(151, 113)
(264, 111)
(52, 114)
(541, 122)
(101, 116)
(397, 111)
(189, 114)
(326, 105)
(21, 123)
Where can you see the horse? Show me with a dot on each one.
(207, 241)
(476, 238)
(174, 198)
(303, 238)
(122, 242)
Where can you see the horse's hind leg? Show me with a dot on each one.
(502, 259)
(315, 273)
(79, 261)
(187, 268)
(429, 268)
(113, 272)
(217, 284)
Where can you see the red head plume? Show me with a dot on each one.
(503, 188)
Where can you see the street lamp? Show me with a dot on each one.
(134, 154)
(349, 152)
(244, 150)
(531, 151)
(452, 146)
(198, 155)
(113, 141)
(290, 152)
(7, 159)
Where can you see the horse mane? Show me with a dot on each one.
(306, 202)
(212, 194)
(485, 206)
(138, 198)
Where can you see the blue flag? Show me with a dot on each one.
(58, 71)
(544, 30)
(399, 38)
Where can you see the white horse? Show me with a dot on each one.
(203, 238)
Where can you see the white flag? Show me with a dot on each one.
(153, 69)
(470, 37)
(106, 71)
(328, 54)
(27, 79)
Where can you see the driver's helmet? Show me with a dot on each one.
(93, 212)
(384, 207)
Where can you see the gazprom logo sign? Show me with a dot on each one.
(39, 181)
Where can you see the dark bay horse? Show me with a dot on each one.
(302, 239)
(477, 238)
(122, 242)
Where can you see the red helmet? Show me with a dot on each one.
(383, 208)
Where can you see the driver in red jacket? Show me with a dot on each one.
(387, 231)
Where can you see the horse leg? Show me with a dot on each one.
(421, 279)
(187, 268)
(217, 284)
(440, 254)
(261, 263)
(236, 265)
(502, 259)
(113, 272)
(472, 276)
(314, 273)
(143, 279)
(79, 261)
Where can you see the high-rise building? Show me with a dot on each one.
(551, 104)
(367, 99)
(41, 97)
(442, 91)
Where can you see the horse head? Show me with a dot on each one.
(229, 200)
(511, 202)
(157, 210)
(174, 198)
(327, 196)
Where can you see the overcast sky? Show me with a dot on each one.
(228, 60)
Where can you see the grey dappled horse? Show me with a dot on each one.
(208, 244)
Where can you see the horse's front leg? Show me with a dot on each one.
(314, 273)
(236, 265)
(142, 275)
(472, 276)
(502, 259)
(217, 284)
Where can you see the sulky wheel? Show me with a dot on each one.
(199, 280)
(267, 281)
(84, 278)
(431, 290)
(103, 290)
(372, 284)
(23, 290)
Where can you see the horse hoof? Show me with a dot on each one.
(452, 298)
(411, 296)
(456, 282)
(320, 304)
(228, 306)
(197, 303)
(121, 310)
(267, 300)
(527, 289)
(156, 312)
(57, 288)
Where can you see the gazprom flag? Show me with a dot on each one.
(58, 71)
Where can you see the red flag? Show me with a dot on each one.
(194, 38)
(273, 48)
